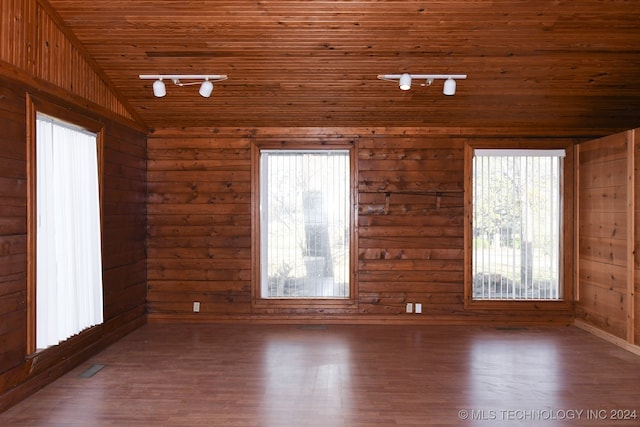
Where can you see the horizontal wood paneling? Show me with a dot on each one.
(199, 225)
(603, 234)
(410, 223)
(124, 255)
(13, 242)
(409, 217)
(602, 308)
(546, 66)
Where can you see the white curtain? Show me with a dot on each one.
(68, 264)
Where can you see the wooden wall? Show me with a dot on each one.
(22, 70)
(410, 226)
(36, 43)
(199, 229)
(608, 236)
(13, 229)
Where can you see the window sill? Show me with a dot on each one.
(305, 304)
(518, 305)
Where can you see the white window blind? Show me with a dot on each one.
(304, 223)
(68, 247)
(516, 224)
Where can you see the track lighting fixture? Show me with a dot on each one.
(159, 89)
(206, 87)
(404, 80)
(449, 87)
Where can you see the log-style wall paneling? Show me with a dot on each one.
(409, 227)
(13, 239)
(34, 41)
(38, 56)
(410, 224)
(124, 255)
(607, 231)
(199, 225)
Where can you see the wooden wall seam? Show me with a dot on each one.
(31, 222)
(631, 191)
(576, 224)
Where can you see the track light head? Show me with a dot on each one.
(405, 81)
(159, 89)
(449, 87)
(206, 88)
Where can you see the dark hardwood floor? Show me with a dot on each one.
(339, 375)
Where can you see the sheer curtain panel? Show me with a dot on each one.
(68, 259)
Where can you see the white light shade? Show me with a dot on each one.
(206, 88)
(405, 81)
(159, 90)
(449, 87)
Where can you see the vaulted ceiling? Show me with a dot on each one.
(531, 64)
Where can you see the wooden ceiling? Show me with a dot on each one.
(531, 64)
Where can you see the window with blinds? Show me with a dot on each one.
(304, 223)
(516, 224)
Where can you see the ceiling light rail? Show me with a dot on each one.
(204, 80)
(404, 80)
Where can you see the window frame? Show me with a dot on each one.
(313, 304)
(34, 106)
(567, 238)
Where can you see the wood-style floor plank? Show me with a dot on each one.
(339, 375)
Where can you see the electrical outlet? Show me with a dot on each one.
(196, 306)
(409, 307)
(418, 308)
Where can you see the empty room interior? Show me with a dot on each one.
(319, 213)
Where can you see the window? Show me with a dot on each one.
(68, 271)
(304, 224)
(516, 224)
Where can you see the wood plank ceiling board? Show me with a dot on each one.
(531, 64)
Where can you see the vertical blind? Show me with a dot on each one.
(516, 224)
(304, 223)
(68, 247)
